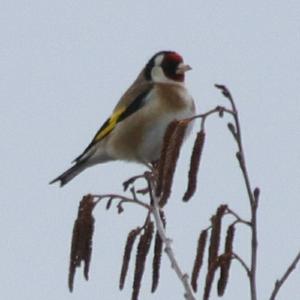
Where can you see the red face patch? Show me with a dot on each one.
(170, 64)
(174, 57)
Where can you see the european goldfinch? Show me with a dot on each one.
(135, 130)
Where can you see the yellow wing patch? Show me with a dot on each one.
(109, 125)
(105, 129)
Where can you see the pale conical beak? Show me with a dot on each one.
(182, 68)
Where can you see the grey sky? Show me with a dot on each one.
(63, 66)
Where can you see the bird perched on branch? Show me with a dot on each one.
(135, 130)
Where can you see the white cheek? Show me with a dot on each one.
(158, 75)
(158, 60)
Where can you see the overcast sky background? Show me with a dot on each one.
(64, 65)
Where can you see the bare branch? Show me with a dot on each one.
(159, 188)
(131, 181)
(243, 264)
(237, 217)
(238, 137)
(122, 199)
(253, 199)
(217, 110)
(280, 282)
(167, 242)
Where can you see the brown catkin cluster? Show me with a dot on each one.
(194, 165)
(225, 260)
(167, 165)
(161, 170)
(213, 258)
(210, 278)
(127, 254)
(141, 255)
(216, 223)
(81, 247)
(158, 247)
(199, 259)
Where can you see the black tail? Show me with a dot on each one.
(68, 175)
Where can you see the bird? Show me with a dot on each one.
(135, 130)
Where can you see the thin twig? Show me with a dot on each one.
(167, 242)
(238, 218)
(243, 264)
(280, 282)
(131, 181)
(217, 110)
(122, 200)
(253, 201)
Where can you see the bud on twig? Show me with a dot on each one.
(256, 192)
(221, 111)
(224, 90)
(109, 202)
(232, 129)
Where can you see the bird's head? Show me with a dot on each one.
(166, 66)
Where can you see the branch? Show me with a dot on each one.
(167, 241)
(253, 196)
(217, 110)
(84, 225)
(238, 218)
(122, 200)
(280, 282)
(238, 137)
(243, 264)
